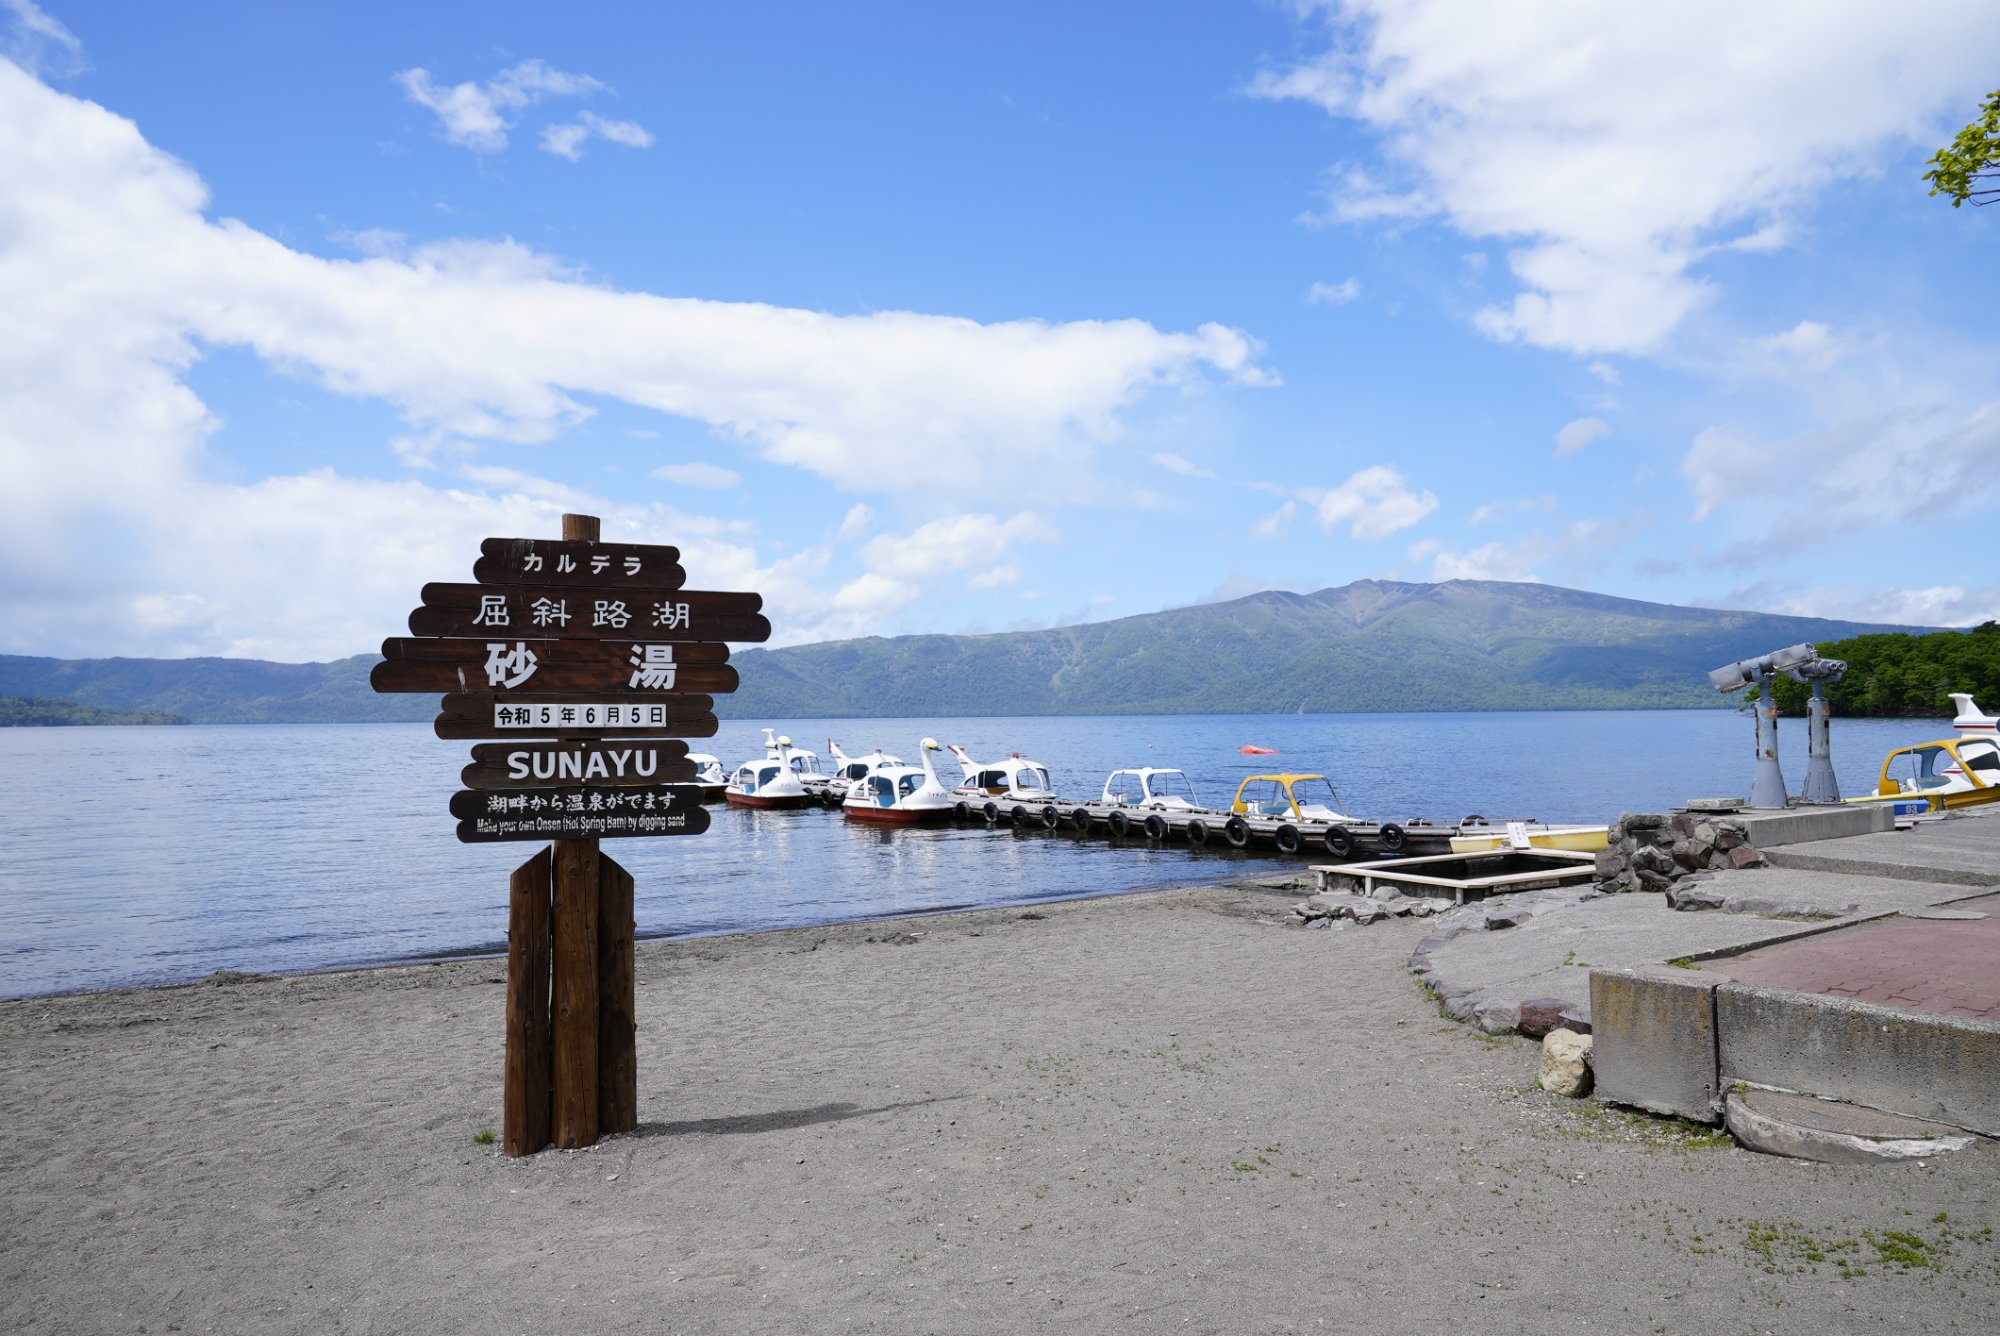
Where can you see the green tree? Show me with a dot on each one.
(1968, 168)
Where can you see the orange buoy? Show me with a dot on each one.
(1258, 751)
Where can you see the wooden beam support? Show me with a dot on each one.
(617, 1024)
(525, 1099)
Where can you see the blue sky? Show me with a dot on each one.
(943, 318)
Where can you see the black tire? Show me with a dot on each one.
(1156, 827)
(1051, 818)
(991, 812)
(1080, 818)
(1020, 816)
(1119, 823)
(1339, 841)
(1197, 832)
(1474, 820)
(1237, 831)
(1288, 839)
(961, 811)
(1392, 837)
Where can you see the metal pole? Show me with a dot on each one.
(1821, 785)
(1768, 789)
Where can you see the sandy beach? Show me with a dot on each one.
(1163, 1112)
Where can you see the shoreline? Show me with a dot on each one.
(641, 940)
(1148, 1110)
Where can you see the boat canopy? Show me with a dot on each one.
(1150, 786)
(1290, 797)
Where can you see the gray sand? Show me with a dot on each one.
(1153, 1113)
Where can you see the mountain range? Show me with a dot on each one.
(1369, 646)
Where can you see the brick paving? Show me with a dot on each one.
(1948, 966)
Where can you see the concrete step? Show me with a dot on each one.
(1829, 1132)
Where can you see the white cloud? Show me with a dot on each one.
(1935, 605)
(566, 139)
(115, 285)
(1581, 546)
(1334, 294)
(1604, 371)
(855, 523)
(957, 543)
(1866, 472)
(1808, 346)
(1376, 502)
(1277, 523)
(1187, 468)
(698, 474)
(33, 39)
(995, 578)
(1576, 435)
(1615, 146)
(1494, 510)
(479, 115)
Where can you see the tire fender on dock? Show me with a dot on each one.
(1051, 818)
(1288, 839)
(1119, 823)
(991, 812)
(1197, 832)
(1237, 831)
(1392, 836)
(1080, 818)
(1339, 841)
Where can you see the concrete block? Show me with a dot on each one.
(1768, 830)
(1655, 1031)
(1942, 1068)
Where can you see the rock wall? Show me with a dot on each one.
(1653, 851)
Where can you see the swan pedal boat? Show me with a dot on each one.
(709, 776)
(850, 770)
(1014, 783)
(771, 781)
(900, 795)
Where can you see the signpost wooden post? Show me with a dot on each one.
(588, 658)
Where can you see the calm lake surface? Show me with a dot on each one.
(157, 855)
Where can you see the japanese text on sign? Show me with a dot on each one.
(595, 714)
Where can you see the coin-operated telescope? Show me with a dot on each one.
(1803, 663)
(1821, 786)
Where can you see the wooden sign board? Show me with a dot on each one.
(479, 714)
(548, 765)
(578, 800)
(606, 823)
(538, 561)
(554, 665)
(554, 612)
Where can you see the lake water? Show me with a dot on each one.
(157, 855)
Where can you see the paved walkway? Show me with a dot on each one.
(1948, 966)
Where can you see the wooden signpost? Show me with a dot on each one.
(587, 658)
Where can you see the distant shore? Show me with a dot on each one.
(1155, 1111)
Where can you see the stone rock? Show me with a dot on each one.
(1367, 912)
(1653, 881)
(1718, 861)
(1690, 855)
(1566, 1063)
(1642, 820)
(1682, 823)
(1609, 863)
(1745, 857)
(1576, 1018)
(1496, 1015)
(1648, 859)
(1688, 898)
(1730, 840)
(1540, 1015)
